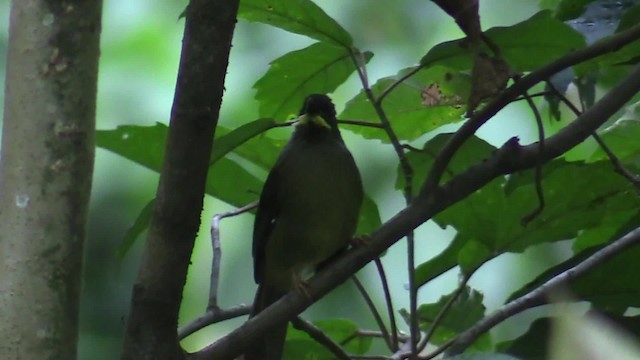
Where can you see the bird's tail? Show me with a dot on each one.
(270, 345)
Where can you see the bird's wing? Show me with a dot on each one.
(266, 216)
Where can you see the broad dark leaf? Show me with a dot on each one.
(465, 311)
(144, 145)
(431, 98)
(319, 68)
(297, 16)
(519, 44)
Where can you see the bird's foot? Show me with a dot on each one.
(301, 286)
(360, 240)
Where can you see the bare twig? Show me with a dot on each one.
(212, 316)
(387, 297)
(319, 336)
(617, 164)
(399, 81)
(374, 311)
(413, 296)
(536, 296)
(361, 123)
(436, 321)
(213, 312)
(538, 171)
(217, 252)
(407, 172)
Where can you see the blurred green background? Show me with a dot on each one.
(139, 55)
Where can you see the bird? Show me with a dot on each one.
(308, 212)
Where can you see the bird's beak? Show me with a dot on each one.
(315, 119)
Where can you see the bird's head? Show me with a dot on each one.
(318, 111)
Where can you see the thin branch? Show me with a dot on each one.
(157, 293)
(538, 170)
(213, 316)
(536, 296)
(481, 117)
(214, 313)
(361, 123)
(617, 164)
(399, 81)
(615, 161)
(509, 158)
(413, 297)
(319, 336)
(389, 302)
(407, 172)
(370, 333)
(436, 321)
(217, 252)
(374, 311)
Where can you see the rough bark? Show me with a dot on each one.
(152, 323)
(46, 167)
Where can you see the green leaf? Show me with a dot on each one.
(139, 225)
(369, 217)
(531, 345)
(302, 17)
(465, 311)
(341, 330)
(441, 263)
(520, 45)
(622, 137)
(577, 196)
(623, 226)
(571, 9)
(412, 109)
(319, 68)
(472, 255)
(299, 344)
(144, 145)
(228, 140)
(473, 151)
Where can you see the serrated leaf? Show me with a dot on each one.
(465, 311)
(411, 108)
(319, 68)
(586, 287)
(519, 45)
(473, 151)
(302, 17)
(578, 196)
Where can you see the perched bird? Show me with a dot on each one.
(308, 212)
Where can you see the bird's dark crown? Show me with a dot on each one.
(319, 104)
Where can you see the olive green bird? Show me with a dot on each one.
(308, 212)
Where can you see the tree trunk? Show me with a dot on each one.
(46, 167)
